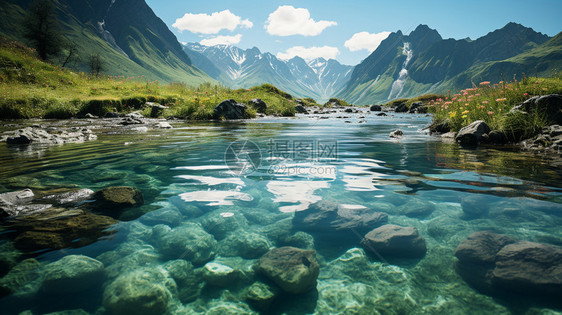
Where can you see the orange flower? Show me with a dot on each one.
(485, 83)
(501, 99)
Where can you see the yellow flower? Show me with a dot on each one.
(464, 116)
(452, 114)
(465, 112)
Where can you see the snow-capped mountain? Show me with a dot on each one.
(239, 68)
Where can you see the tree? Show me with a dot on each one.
(71, 55)
(42, 28)
(96, 64)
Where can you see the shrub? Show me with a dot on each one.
(61, 110)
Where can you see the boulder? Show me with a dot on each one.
(259, 105)
(71, 274)
(156, 110)
(396, 134)
(527, 267)
(300, 109)
(332, 220)
(418, 108)
(440, 127)
(10, 202)
(230, 109)
(394, 241)
(417, 208)
(549, 105)
(189, 242)
(245, 244)
(59, 228)
(497, 137)
(348, 110)
(163, 125)
(496, 263)
(131, 121)
(219, 275)
(382, 114)
(401, 108)
(472, 134)
(375, 108)
(294, 270)
(23, 273)
(119, 197)
(141, 291)
(188, 282)
(111, 115)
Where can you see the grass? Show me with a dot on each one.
(492, 103)
(30, 88)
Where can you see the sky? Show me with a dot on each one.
(347, 31)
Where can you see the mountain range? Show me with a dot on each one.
(422, 62)
(238, 68)
(133, 41)
(129, 37)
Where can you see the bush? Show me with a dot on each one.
(15, 109)
(61, 110)
(520, 125)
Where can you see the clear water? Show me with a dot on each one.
(184, 178)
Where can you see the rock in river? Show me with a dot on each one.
(395, 241)
(229, 109)
(73, 273)
(30, 135)
(472, 134)
(333, 220)
(119, 197)
(294, 270)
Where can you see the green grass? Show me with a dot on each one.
(492, 103)
(31, 88)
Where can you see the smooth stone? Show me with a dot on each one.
(189, 282)
(417, 208)
(219, 275)
(163, 125)
(260, 295)
(294, 270)
(119, 197)
(472, 134)
(230, 109)
(189, 242)
(23, 273)
(529, 268)
(73, 273)
(327, 217)
(395, 241)
(68, 197)
(144, 291)
(247, 245)
(220, 225)
(170, 217)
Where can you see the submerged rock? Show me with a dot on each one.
(394, 241)
(472, 134)
(294, 270)
(141, 291)
(260, 295)
(247, 245)
(219, 275)
(119, 197)
(230, 109)
(189, 242)
(163, 125)
(328, 218)
(475, 207)
(12, 203)
(496, 263)
(188, 282)
(22, 274)
(71, 274)
(68, 197)
(417, 208)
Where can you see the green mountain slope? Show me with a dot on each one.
(440, 65)
(127, 34)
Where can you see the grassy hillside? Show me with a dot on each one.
(146, 53)
(32, 88)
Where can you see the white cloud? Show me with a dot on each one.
(310, 53)
(222, 40)
(288, 20)
(211, 24)
(365, 40)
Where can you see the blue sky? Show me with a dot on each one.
(324, 27)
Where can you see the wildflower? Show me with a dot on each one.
(482, 106)
(464, 116)
(485, 83)
(501, 99)
(452, 114)
(490, 113)
(544, 89)
(485, 102)
(465, 112)
(525, 94)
